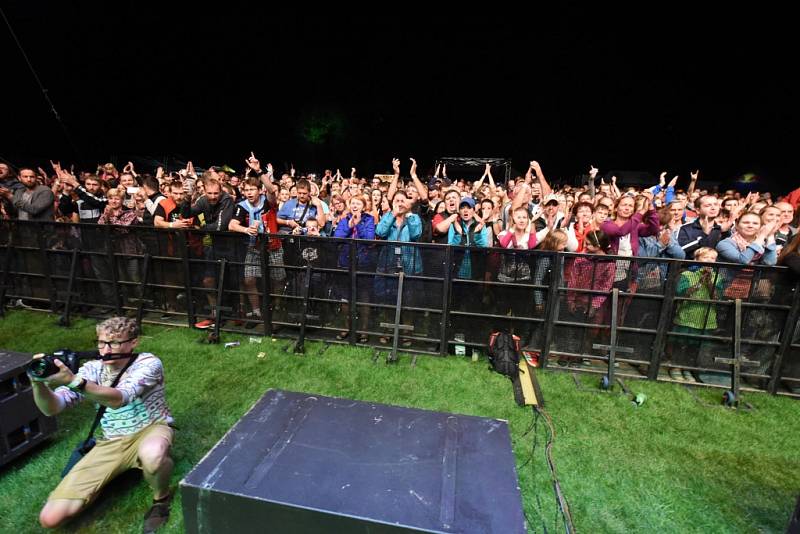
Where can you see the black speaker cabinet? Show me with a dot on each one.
(22, 425)
(306, 463)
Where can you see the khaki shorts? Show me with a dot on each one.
(105, 461)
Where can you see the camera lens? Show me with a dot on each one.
(39, 367)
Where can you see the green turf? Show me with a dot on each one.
(671, 465)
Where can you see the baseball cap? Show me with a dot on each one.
(552, 197)
(468, 201)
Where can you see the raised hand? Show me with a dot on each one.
(396, 166)
(694, 175)
(673, 181)
(593, 172)
(662, 178)
(352, 172)
(253, 163)
(159, 173)
(413, 170)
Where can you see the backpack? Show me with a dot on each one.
(504, 353)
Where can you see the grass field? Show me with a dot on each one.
(671, 465)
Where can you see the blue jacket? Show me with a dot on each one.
(691, 237)
(365, 229)
(479, 239)
(653, 274)
(394, 258)
(728, 251)
(651, 247)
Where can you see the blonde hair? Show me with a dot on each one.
(123, 327)
(114, 192)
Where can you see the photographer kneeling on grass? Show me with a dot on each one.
(136, 423)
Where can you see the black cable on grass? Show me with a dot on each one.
(533, 471)
(561, 500)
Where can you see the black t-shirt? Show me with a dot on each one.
(66, 206)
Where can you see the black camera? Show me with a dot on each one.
(44, 367)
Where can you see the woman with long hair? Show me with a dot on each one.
(633, 218)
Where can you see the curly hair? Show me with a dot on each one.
(123, 327)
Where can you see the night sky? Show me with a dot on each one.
(635, 89)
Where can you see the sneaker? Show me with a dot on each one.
(204, 324)
(157, 515)
(22, 304)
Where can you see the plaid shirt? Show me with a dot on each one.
(594, 273)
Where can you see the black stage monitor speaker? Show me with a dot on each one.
(22, 425)
(305, 463)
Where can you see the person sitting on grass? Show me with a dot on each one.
(136, 424)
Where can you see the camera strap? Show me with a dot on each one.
(102, 409)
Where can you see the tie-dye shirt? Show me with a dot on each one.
(143, 400)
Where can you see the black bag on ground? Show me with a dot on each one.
(504, 353)
(504, 357)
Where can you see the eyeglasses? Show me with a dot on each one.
(115, 345)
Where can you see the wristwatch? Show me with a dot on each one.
(78, 384)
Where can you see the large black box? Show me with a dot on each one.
(305, 463)
(22, 425)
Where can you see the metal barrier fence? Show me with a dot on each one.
(676, 315)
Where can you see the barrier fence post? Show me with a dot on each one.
(112, 265)
(183, 243)
(446, 289)
(551, 310)
(786, 340)
(667, 303)
(5, 280)
(223, 265)
(142, 290)
(73, 269)
(353, 266)
(51, 287)
(266, 297)
(738, 360)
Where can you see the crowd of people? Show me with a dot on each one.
(493, 225)
(596, 219)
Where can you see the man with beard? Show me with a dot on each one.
(32, 201)
(214, 211)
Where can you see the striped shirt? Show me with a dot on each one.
(143, 400)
